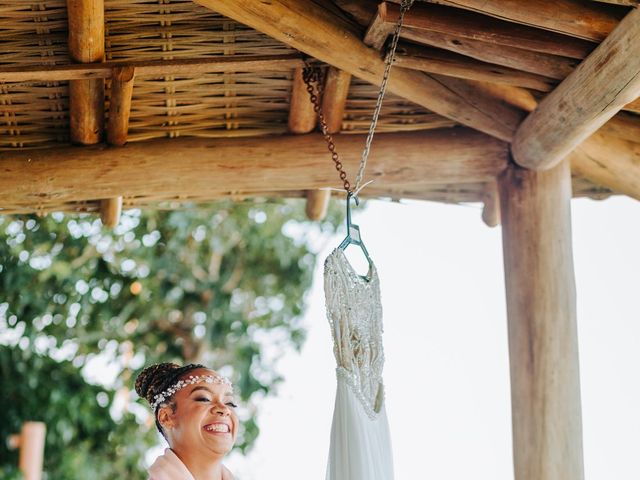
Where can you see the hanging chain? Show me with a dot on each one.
(313, 74)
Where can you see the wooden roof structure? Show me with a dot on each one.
(519, 104)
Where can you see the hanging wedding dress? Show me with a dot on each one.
(360, 447)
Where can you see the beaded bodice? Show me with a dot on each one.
(354, 311)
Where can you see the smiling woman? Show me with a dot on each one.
(195, 412)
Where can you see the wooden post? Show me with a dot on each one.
(31, 443)
(541, 308)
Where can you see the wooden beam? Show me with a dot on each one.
(603, 84)
(302, 116)
(520, 98)
(623, 125)
(491, 209)
(473, 26)
(543, 64)
(633, 106)
(314, 30)
(193, 166)
(577, 18)
(120, 105)
(117, 131)
(185, 66)
(506, 114)
(609, 161)
(317, 204)
(86, 45)
(626, 3)
(541, 310)
(302, 119)
(334, 100)
(110, 211)
(379, 29)
(435, 60)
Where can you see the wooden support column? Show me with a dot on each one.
(86, 45)
(541, 309)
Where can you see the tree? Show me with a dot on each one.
(223, 285)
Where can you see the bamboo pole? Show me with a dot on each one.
(541, 309)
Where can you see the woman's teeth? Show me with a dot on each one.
(217, 427)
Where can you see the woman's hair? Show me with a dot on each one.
(157, 378)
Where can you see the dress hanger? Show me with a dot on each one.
(353, 232)
(312, 75)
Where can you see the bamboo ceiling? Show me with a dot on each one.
(190, 99)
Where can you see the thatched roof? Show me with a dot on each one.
(497, 58)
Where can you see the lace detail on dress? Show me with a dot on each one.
(354, 311)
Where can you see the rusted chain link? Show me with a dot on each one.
(312, 74)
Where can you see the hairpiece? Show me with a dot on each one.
(191, 380)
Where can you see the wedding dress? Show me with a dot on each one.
(360, 444)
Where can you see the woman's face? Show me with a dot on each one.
(204, 419)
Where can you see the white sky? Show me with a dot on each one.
(446, 372)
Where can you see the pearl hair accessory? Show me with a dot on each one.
(191, 380)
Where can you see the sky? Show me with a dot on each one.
(447, 372)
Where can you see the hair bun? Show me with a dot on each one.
(152, 378)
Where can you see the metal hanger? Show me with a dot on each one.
(353, 233)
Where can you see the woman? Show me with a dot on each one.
(194, 410)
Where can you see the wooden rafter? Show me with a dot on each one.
(474, 26)
(86, 45)
(544, 64)
(302, 117)
(590, 21)
(308, 27)
(86, 97)
(334, 100)
(627, 3)
(120, 105)
(435, 60)
(610, 161)
(602, 85)
(194, 166)
(104, 70)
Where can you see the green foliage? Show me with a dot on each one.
(82, 438)
(224, 286)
